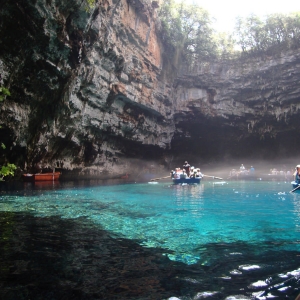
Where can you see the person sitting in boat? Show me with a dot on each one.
(297, 174)
(177, 173)
(172, 173)
(198, 173)
(187, 168)
(183, 174)
(242, 168)
(193, 173)
(233, 172)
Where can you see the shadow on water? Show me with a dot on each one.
(55, 258)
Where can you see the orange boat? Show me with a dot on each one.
(41, 176)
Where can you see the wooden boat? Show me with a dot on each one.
(41, 176)
(186, 180)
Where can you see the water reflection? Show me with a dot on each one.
(191, 197)
(186, 192)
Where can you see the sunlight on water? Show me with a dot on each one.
(182, 219)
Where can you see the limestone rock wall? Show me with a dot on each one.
(85, 84)
(90, 93)
(247, 107)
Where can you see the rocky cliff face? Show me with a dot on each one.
(244, 108)
(90, 92)
(85, 84)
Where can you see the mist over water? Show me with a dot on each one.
(222, 168)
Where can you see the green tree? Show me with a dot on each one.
(274, 32)
(225, 45)
(3, 93)
(89, 4)
(293, 29)
(186, 31)
(250, 33)
(275, 25)
(7, 170)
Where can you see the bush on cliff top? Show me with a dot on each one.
(275, 32)
(188, 35)
(186, 31)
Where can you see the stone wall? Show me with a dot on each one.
(85, 84)
(249, 107)
(90, 93)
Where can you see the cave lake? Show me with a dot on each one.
(127, 240)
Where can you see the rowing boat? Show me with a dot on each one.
(41, 176)
(186, 180)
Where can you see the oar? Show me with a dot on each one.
(160, 178)
(295, 189)
(214, 177)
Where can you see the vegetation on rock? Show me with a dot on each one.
(188, 35)
(186, 31)
(3, 93)
(275, 32)
(7, 170)
(90, 4)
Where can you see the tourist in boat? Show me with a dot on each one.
(187, 168)
(198, 173)
(297, 174)
(183, 175)
(172, 173)
(177, 173)
(242, 168)
(193, 173)
(233, 172)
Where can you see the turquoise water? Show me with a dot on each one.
(183, 221)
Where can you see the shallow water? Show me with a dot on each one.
(238, 239)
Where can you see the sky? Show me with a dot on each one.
(225, 11)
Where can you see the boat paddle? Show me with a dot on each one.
(295, 189)
(154, 179)
(214, 177)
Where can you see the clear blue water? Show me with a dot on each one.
(240, 224)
